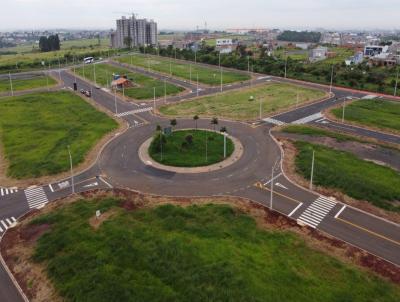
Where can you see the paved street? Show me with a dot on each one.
(120, 166)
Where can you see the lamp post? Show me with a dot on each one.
(260, 108)
(72, 173)
(397, 81)
(11, 85)
(59, 69)
(154, 100)
(272, 182)
(115, 100)
(165, 91)
(221, 80)
(94, 73)
(197, 89)
(344, 107)
(312, 170)
(225, 135)
(330, 87)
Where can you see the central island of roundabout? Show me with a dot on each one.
(190, 150)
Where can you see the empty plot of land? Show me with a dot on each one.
(143, 86)
(376, 113)
(188, 71)
(35, 130)
(19, 83)
(244, 104)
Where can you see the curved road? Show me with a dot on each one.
(250, 177)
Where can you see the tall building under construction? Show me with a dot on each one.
(136, 32)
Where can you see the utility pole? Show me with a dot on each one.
(170, 68)
(195, 57)
(225, 134)
(190, 73)
(219, 60)
(286, 66)
(107, 78)
(272, 183)
(221, 80)
(312, 170)
(330, 87)
(72, 173)
(165, 91)
(197, 89)
(115, 100)
(206, 146)
(297, 99)
(94, 73)
(260, 108)
(11, 85)
(154, 100)
(59, 69)
(397, 81)
(344, 107)
(47, 79)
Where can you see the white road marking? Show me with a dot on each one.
(103, 180)
(51, 188)
(36, 198)
(281, 185)
(308, 119)
(7, 223)
(134, 111)
(275, 177)
(274, 121)
(7, 191)
(295, 209)
(340, 212)
(316, 212)
(94, 184)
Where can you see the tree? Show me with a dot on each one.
(195, 118)
(128, 42)
(189, 139)
(223, 129)
(158, 128)
(44, 44)
(214, 122)
(173, 123)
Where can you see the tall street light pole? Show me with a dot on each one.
(115, 100)
(11, 85)
(225, 135)
(221, 80)
(260, 108)
(344, 107)
(312, 170)
(330, 87)
(165, 91)
(59, 69)
(72, 173)
(397, 81)
(94, 73)
(197, 89)
(272, 183)
(154, 100)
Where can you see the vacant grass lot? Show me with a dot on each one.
(36, 129)
(210, 76)
(375, 113)
(196, 253)
(176, 151)
(144, 90)
(237, 104)
(351, 175)
(26, 84)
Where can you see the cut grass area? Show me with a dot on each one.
(145, 85)
(376, 113)
(207, 75)
(196, 253)
(26, 84)
(179, 152)
(36, 129)
(237, 104)
(351, 175)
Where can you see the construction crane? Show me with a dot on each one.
(126, 13)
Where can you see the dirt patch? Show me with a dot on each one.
(18, 243)
(89, 160)
(289, 168)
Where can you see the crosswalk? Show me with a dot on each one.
(36, 197)
(134, 111)
(308, 119)
(316, 212)
(274, 121)
(7, 223)
(7, 191)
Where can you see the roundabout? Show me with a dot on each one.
(191, 151)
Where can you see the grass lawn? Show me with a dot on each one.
(207, 75)
(236, 104)
(351, 175)
(36, 129)
(178, 152)
(144, 90)
(25, 84)
(375, 113)
(196, 253)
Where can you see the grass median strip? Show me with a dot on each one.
(351, 175)
(196, 253)
(30, 82)
(188, 71)
(35, 130)
(376, 113)
(144, 85)
(239, 105)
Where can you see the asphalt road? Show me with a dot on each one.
(120, 166)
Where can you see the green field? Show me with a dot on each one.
(176, 151)
(145, 85)
(351, 175)
(26, 84)
(197, 253)
(236, 104)
(375, 113)
(207, 75)
(36, 129)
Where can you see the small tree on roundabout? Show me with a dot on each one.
(195, 118)
(214, 122)
(173, 123)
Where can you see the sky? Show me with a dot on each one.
(187, 14)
